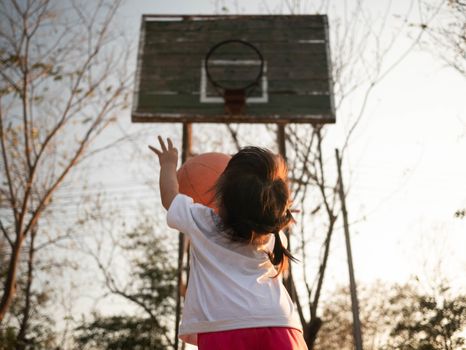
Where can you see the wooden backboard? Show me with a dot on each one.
(295, 85)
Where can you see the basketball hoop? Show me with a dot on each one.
(235, 97)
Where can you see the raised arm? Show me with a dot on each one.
(168, 158)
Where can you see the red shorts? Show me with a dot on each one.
(266, 338)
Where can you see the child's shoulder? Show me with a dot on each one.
(206, 218)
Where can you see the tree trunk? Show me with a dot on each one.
(21, 338)
(311, 331)
(10, 283)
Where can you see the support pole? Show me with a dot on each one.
(287, 280)
(187, 141)
(182, 245)
(281, 140)
(354, 298)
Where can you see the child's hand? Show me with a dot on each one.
(168, 155)
(168, 158)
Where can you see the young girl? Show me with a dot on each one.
(235, 298)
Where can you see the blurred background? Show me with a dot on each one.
(86, 258)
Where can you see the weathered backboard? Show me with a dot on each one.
(287, 57)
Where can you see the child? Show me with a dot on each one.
(235, 298)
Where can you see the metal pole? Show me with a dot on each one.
(288, 280)
(354, 298)
(281, 140)
(185, 153)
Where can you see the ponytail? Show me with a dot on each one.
(280, 255)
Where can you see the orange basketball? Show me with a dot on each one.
(198, 175)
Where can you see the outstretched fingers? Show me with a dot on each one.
(162, 144)
(170, 143)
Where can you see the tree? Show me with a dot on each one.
(375, 315)
(151, 287)
(395, 317)
(447, 36)
(62, 85)
(40, 333)
(429, 322)
(447, 39)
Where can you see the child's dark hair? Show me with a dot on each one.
(253, 198)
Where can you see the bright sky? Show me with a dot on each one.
(406, 165)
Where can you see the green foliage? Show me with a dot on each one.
(120, 332)
(460, 214)
(395, 317)
(429, 323)
(7, 338)
(40, 334)
(152, 287)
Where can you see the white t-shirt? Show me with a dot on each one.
(231, 285)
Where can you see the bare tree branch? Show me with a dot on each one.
(6, 165)
(5, 233)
